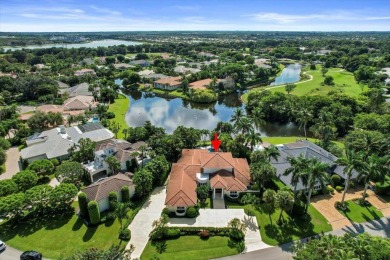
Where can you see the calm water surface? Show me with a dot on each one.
(290, 74)
(169, 113)
(93, 44)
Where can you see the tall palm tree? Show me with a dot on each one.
(257, 117)
(244, 125)
(374, 167)
(272, 152)
(237, 116)
(317, 172)
(370, 144)
(121, 212)
(298, 169)
(285, 201)
(304, 117)
(262, 173)
(253, 138)
(352, 162)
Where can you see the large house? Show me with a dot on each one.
(54, 143)
(99, 191)
(122, 150)
(81, 89)
(309, 150)
(170, 83)
(83, 72)
(226, 176)
(71, 106)
(202, 84)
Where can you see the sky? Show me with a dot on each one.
(199, 15)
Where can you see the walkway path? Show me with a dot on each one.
(221, 218)
(12, 163)
(141, 226)
(379, 227)
(325, 205)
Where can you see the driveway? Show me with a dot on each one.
(325, 205)
(12, 163)
(141, 226)
(221, 218)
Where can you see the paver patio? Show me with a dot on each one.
(325, 205)
(221, 218)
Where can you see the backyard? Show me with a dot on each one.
(359, 214)
(191, 247)
(119, 108)
(56, 236)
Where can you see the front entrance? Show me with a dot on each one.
(218, 194)
(218, 200)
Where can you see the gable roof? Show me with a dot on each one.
(100, 190)
(224, 179)
(181, 190)
(171, 81)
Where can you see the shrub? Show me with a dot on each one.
(25, 179)
(236, 234)
(240, 246)
(55, 162)
(192, 212)
(125, 194)
(42, 167)
(94, 212)
(165, 211)
(204, 234)
(336, 180)
(329, 189)
(7, 187)
(83, 204)
(172, 233)
(339, 188)
(382, 188)
(124, 234)
(340, 206)
(249, 211)
(112, 200)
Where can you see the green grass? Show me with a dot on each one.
(344, 82)
(359, 214)
(172, 93)
(120, 107)
(293, 229)
(207, 204)
(290, 139)
(59, 235)
(191, 247)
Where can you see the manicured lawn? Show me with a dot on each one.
(173, 93)
(120, 108)
(293, 229)
(191, 247)
(58, 236)
(290, 139)
(344, 82)
(359, 214)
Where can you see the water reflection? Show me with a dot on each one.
(290, 74)
(169, 113)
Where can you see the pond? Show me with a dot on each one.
(169, 113)
(92, 44)
(290, 74)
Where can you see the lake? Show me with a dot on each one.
(290, 74)
(169, 113)
(92, 44)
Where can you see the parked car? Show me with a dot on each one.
(31, 255)
(2, 245)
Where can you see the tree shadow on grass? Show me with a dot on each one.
(109, 223)
(89, 233)
(78, 224)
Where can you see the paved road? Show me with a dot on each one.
(10, 254)
(379, 227)
(11, 165)
(141, 226)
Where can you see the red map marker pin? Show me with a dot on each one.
(216, 142)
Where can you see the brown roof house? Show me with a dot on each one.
(169, 83)
(122, 150)
(99, 191)
(224, 174)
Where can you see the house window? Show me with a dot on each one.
(233, 194)
(180, 209)
(317, 187)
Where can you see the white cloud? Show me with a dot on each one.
(105, 10)
(186, 7)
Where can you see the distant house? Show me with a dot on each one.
(99, 191)
(40, 66)
(224, 174)
(142, 63)
(185, 70)
(122, 66)
(84, 72)
(87, 61)
(170, 83)
(206, 54)
(79, 90)
(145, 72)
(122, 150)
(54, 143)
(202, 84)
(309, 150)
(155, 76)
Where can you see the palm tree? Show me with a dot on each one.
(121, 212)
(113, 163)
(304, 117)
(269, 200)
(370, 144)
(244, 125)
(324, 128)
(262, 173)
(298, 169)
(257, 117)
(374, 167)
(142, 149)
(352, 162)
(284, 200)
(272, 152)
(317, 172)
(253, 138)
(237, 116)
